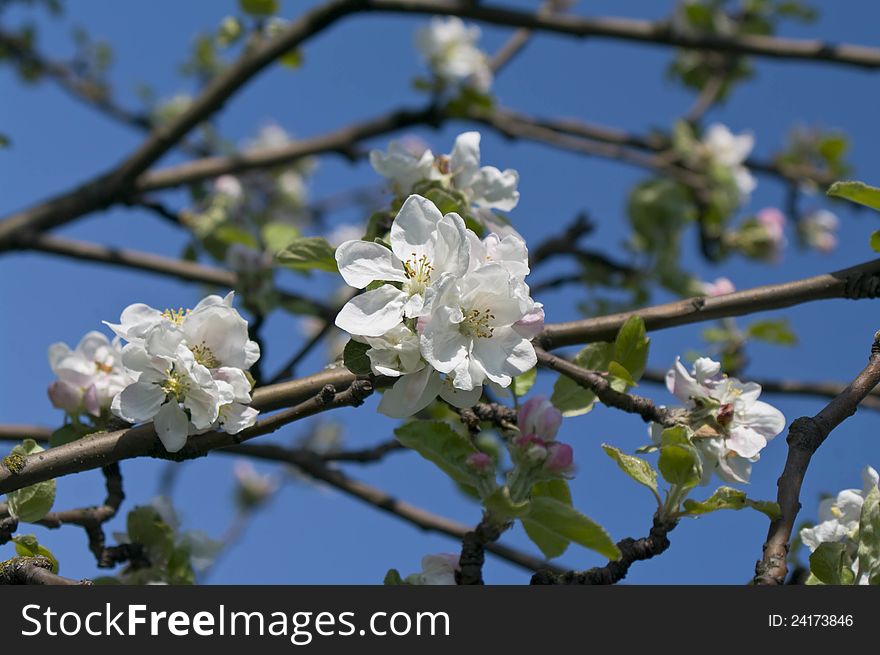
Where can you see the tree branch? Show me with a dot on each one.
(33, 570)
(805, 435)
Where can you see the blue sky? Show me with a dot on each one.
(358, 69)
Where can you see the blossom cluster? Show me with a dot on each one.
(408, 168)
(729, 151)
(188, 369)
(444, 311)
(731, 426)
(88, 377)
(450, 48)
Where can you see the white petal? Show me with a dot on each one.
(373, 313)
(494, 189)
(140, 402)
(413, 230)
(204, 408)
(410, 394)
(464, 162)
(745, 441)
(442, 343)
(460, 398)
(236, 417)
(171, 426)
(451, 250)
(362, 262)
(765, 419)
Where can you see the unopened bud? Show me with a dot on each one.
(560, 459)
(481, 463)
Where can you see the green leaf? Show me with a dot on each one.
(292, 59)
(66, 434)
(679, 462)
(32, 503)
(869, 535)
(621, 378)
(568, 396)
(635, 467)
(355, 357)
(308, 253)
(229, 234)
(523, 383)
(393, 578)
(858, 192)
(875, 241)
(259, 7)
(631, 347)
(437, 442)
(277, 236)
(551, 544)
(26, 545)
(831, 564)
(730, 498)
(565, 522)
(502, 506)
(773, 331)
(146, 527)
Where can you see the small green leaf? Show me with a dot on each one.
(523, 383)
(570, 398)
(831, 564)
(565, 522)
(355, 357)
(26, 545)
(277, 236)
(551, 544)
(875, 241)
(680, 464)
(259, 7)
(635, 467)
(502, 506)
(392, 578)
(869, 535)
(437, 442)
(309, 253)
(146, 527)
(292, 59)
(773, 331)
(631, 347)
(621, 376)
(730, 498)
(858, 192)
(229, 234)
(32, 503)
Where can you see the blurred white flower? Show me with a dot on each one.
(450, 48)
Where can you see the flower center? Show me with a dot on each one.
(418, 270)
(101, 367)
(476, 323)
(175, 385)
(204, 356)
(176, 316)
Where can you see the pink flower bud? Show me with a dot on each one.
(560, 459)
(773, 221)
(538, 416)
(532, 324)
(719, 287)
(480, 462)
(64, 395)
(91, 402)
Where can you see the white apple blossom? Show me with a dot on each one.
(731, 425)
(88, 376)
(190, 368)
(484, 187)
(839, 516)
(424, 245)
(469, 332)
(818, 230)
(730, 151)
(415, 391)
(450, 48)
(436, 570)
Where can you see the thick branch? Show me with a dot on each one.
(805, 435)
(33, 570)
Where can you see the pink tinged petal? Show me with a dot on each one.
(373, 313)
(411, 394)
(413, 230)
(461, 398)
(765, 419)
(363, 262)
(538, 416)
(91, 402)
(745, 441)
(65, 396)
(172, 426)
(532, 324)
(140, 402)
(560, 459)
